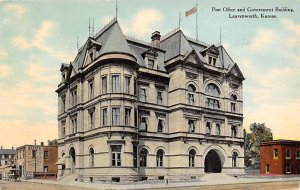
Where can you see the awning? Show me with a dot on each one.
(61, 161)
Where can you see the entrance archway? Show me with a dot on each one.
(72, 159)
(213, 163)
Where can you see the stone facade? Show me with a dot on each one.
(7, 156)
(280, 157)
(131, 110)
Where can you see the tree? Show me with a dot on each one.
(258, 133)
(52, 142)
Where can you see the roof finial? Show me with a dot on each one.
(220, 36)
(179, 19)
(91, 28)
(116, 9)
(77, 44)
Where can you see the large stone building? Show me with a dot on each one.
(37, 160)
(132, 110)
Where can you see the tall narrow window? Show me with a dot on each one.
(143, 157)
(192, 154)
(63, 128)
(234, 158)
(115, 84)
(191, 125)
(127, 116)
(73, 97)
(104, 117)
(115, 116)
(46, 154)
(143, 124)
(150, 63)
(74, 125)
(92, 155)
(209, 60)
(267, 168)
(159, 97)
(104, 85)
(218, 129)
(233, 98)
(127, 85)
(214, 61)
(288, 168)
(160, 125)
(233, 131)
(191, 94)
(288, 153)
(143, 95)
(91, 89)
(91, 118)
(298, 154)
(208, 128)
(275, 153)
(63, 103)
(116, 155)
(160, 158)
(135, 87)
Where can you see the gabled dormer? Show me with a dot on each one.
(150, 57)
(211, 55)
(92, 49)
(235, 73)
(64, 71)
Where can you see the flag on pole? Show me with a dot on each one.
(192, 11)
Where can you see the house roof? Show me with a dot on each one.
(7, 151)
(281, 142)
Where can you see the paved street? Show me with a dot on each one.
(282, 185)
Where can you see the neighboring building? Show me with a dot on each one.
(280, 157)
(131, 110)
(7, 156)
(36, 159)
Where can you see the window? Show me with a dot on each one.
(46, 169)
(143, 157)
(208, 128)
(218, 129)
(233, 109)
(192, 154)
(233, 97)
(275, 153)
(127, 85)
(143, 95)
(116, 155)
(104, 85)
(213, 90)
(191, 125)
(143, 123)
(209, 60)
(234, 157)
(288, 168)
(63, 103)
(92, 118)
(159, 97)
(115, 84)
(115, 116)
(135, 87)
(214, 61)
(298, 154)
(288, 153)
(160, 158)
(104, 117)
(46, 154)
(63, 128)
(267, 168)
(212, 103)
(73, 97)
(91, 90)
(73, 126)
(91, 155)
(191, 94)
(127, 116)
(33, 153)
(160, 125)
(233, 131)
(150, 63)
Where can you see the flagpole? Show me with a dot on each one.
(197, 22)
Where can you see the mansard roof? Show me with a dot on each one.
(7, 151)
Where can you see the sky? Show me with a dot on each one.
(37, 36)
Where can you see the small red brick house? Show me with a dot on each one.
(280, 157)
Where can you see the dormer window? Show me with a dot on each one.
(91, 56)
(212, 60)
(150, 63)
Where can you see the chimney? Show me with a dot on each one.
(12, 147)
(156, 39)
(1, 147)
(42, 143)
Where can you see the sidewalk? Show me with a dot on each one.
(158, 184)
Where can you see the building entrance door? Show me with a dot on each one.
(212, 162)
(72, 160)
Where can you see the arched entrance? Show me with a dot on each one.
(213, 162)
(72, 159)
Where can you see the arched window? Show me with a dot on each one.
(91, 157)
(160, 158)
(234, 157)
(208, 128)
(233, 99)
(143, 157)
(213, 90)
(191, 94)
(218, 129)
(192, 154)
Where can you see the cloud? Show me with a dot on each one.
(3, 54)
(5, 71)
(40, 73)
(291, 25)
(144, 22)
(263, 38)
(106, 20)
(15, 9)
